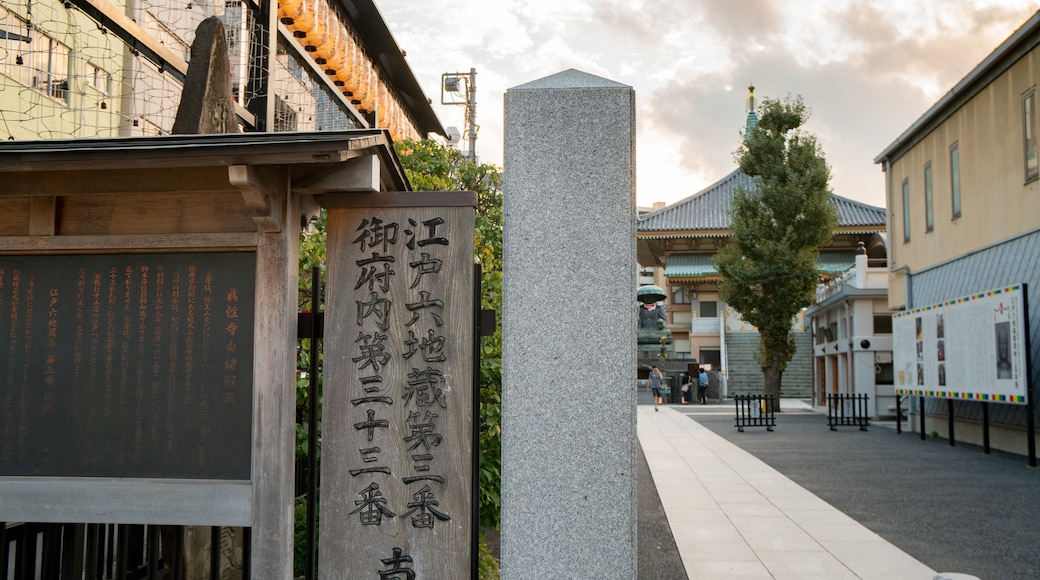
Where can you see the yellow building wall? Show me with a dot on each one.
(996, 202)
(30, 113)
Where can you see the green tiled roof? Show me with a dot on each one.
(689, 266)
(697, 265)
(835, 262)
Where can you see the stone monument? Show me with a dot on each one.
(569, 334)
(206, 105)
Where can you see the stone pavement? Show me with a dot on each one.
(733, 516)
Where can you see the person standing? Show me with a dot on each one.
(702, 387)
(655, 386)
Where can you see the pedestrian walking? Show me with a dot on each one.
(655, 386)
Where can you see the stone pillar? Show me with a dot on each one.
(569, 330)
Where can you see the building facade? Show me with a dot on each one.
(112, 68)
(851, 328)
(683, 239)
(963, 186)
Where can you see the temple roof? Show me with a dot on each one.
(708, 211)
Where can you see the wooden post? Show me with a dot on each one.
(397, 424)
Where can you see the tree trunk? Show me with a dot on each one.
(771, 375)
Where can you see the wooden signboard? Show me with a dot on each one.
(148, 314)
(397, 445)
(127, 365)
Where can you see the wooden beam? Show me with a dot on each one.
(402, 199)
(136, 501)
(116, 181)
(42, 215)
(131, 243)
(355, 175)
(263, 189)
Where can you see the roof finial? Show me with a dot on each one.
(752, 117)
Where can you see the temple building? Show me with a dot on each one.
(681, 241)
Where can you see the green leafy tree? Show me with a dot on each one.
(769, 266)
(431, 166)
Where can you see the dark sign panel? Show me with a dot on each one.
(127, 365)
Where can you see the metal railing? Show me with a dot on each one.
(848, 410)
(30, 551)
(755, 411)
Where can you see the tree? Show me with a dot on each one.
(431, 166)
(769, 266)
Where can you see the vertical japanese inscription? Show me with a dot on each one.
(109, 348)
(397, 419)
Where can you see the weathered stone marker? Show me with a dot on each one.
(569, 331)
(206, 105)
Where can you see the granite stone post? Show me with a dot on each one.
(569, 330)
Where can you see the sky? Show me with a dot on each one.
(866, 69)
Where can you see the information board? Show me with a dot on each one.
(127, 365)
(969, 348)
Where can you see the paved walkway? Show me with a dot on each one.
(733, 516)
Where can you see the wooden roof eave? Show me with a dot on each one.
(21, 162)
(678, 234)
(691, 280)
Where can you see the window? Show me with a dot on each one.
(680, 295)
(883, 324)
(99, 78)
(929, 205)
(33, 58)
(955, 179)
(15, 38)
(1029, 134)
(57, 70)
(906, 210)
(708, 309)
(284, 116)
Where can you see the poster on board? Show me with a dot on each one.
(969, 348)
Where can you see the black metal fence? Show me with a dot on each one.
(848, 410)
(32, 551)
(755, 411)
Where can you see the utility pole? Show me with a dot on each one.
(464, 84)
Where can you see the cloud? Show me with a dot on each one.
(866, 68)
(860, 103)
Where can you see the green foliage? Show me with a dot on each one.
(300, 538)
(487, 565)
(769, 266)
(431, 166)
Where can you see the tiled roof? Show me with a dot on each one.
(689, 266)
(697, 265)
(708, 210)
(835, 262)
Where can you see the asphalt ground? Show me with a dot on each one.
(954, 508)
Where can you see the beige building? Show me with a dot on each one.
(109, 68)
(963, 186)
